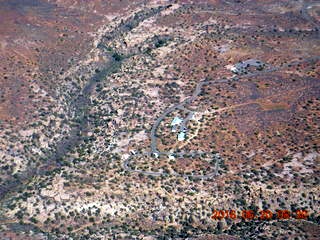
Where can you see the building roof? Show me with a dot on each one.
(176, 121)
(181, 136)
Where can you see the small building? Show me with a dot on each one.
(234, 69)
(181, 136)
(243, 67)
(176, 121)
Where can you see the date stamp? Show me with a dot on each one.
(262, 215)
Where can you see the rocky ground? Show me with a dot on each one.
(88, 92)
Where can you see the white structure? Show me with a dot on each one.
(176, 121)
(234, 69)
(181, 136)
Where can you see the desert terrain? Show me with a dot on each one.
(139, 119)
